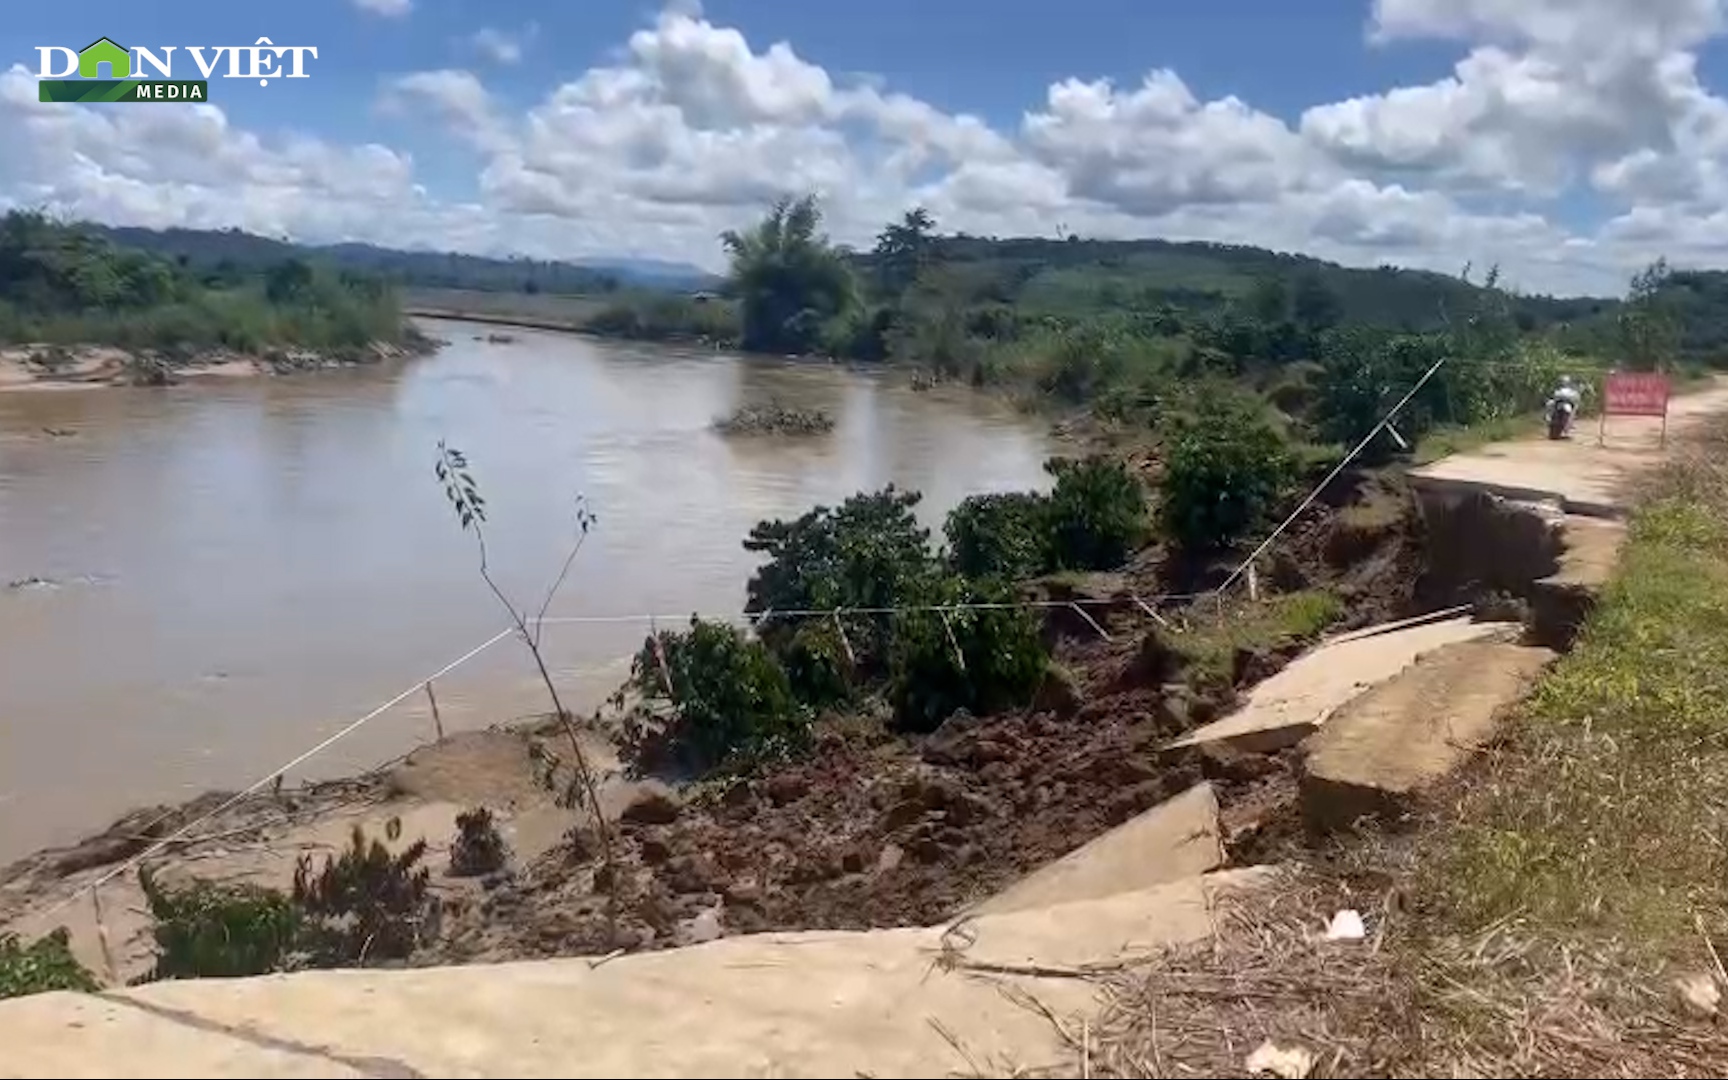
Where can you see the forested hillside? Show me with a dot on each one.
(1076, 276)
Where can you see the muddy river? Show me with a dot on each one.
(199, 583)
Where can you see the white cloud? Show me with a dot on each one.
(458, 98)
(394, 9)
(1650, 27)
(503, 46)
(691, 128)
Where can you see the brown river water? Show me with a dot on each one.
(238, 568)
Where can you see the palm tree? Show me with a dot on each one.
(902, 249)
(790, 281)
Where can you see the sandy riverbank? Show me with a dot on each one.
(84, 367)
(259, 839)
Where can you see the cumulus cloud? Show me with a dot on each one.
(691, 127)
(1549, 90)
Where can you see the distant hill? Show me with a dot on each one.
(1037, 276)
(657, 273)
(1076, 276)
(207, 250)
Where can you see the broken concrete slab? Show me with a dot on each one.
(1560, 602)
(817, 1004)
(1291, 705)
(1378, 753)
(1179, 838)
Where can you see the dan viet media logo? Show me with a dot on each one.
(104, 71)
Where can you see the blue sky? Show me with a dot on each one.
(1566, 139)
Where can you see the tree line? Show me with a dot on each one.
(66, 284)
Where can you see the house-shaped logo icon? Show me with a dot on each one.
(102, 51)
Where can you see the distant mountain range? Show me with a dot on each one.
(207, 249)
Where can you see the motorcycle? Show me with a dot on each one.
(1560, 418)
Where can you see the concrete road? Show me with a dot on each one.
(1584, 477)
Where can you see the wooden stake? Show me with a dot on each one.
(1151, 612)
(959, 657)
(660, 658)
(1090, 621)
(845, 643)
(437, 720)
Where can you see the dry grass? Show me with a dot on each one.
(1539, 924)
(1496, 1003)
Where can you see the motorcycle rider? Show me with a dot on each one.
(1568, 393)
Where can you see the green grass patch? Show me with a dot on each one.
(1449, 439)
(1214, 636)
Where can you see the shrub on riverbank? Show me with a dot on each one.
(1005, 536)
(727, 699)
(206, 930)
(1225, 470)
(62, 285)
(1093, 519)
(980, 659)
(1097, 513)
(364, 905)
(908, 623)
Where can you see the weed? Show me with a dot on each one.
(479, 848)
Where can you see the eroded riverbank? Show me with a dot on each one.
(238, 568)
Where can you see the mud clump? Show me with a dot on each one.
(858, 833)
(653, 804)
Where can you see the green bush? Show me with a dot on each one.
(1224, 471)
(1097, 515)
(207, 930)
(45, 964)
(730, 699)
(981, 659)
(819, 664)
(1000, 536)
(867, 553)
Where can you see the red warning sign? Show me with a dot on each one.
(1636, 393)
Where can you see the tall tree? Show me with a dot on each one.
(1649, 329)
(790, 281)
(903, 248)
